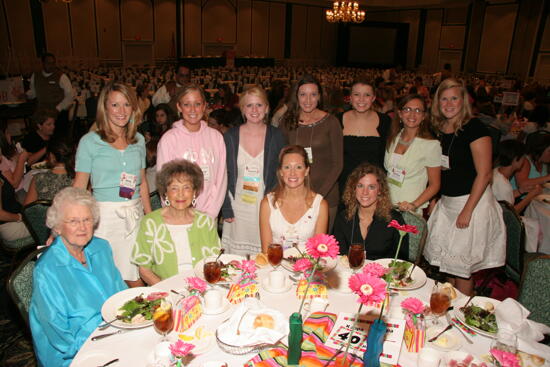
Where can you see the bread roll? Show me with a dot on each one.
(261, 259)
(264, 320)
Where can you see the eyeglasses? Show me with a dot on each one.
(409, 110)
(76, 222)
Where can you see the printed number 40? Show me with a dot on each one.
(354, 339)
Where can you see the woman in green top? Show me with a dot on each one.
(176, 237)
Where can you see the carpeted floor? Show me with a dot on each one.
(15, 340)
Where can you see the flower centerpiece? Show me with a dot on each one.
(179, 351)
(317, 247)
(370, 289)
(189, 309)
(399, 271)
(246, 285)
(415, 330)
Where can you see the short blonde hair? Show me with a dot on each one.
(102, 122)
(256, 91)
(70, 196)
(438, 119)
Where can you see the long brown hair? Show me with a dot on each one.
(278, 191)
(397, 125)
(438, 119)
(383, 204)
(103, 127)
(292, 115)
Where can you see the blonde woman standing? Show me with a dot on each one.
(112, 159)
(466, 229)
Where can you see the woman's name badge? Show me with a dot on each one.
(445, 163)
(205, 172)
(396, 176)
(127, 185)
(309, 152)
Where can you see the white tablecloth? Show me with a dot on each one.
(133, 348)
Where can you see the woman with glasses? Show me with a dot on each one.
(413, 156)
(364, 129)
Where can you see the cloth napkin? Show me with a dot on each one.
(245, 314)
(512, 316)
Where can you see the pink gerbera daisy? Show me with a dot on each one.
(196, 284)
(180, 349)
(413, 305)
(375, 269)
(322, 245)
(370, 289)
(302, 265)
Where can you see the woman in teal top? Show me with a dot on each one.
(176, 237)
(113, 159)
(534, 170)
(72, 279)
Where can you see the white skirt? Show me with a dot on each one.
(461, 252)
(119, 224)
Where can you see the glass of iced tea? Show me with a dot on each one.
(212, 270)
(439, 302)
(163, 319)
(356, 256)
(275, 254)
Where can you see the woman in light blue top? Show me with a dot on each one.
(71, 280)
(113, 158)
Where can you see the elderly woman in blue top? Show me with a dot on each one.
(72, 279)
(178, 236)
(113, 157)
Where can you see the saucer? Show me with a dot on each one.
(224, 307)
(267, 287)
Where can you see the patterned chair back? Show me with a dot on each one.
(34, 216)
(154, 197)
(515, 242)
(416, 241)
(20, 284)
(534, 292)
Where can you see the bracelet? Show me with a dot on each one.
(20, 217)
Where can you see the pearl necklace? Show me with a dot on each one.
(405, 143)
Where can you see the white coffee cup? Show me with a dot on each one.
(277, 279)
(429, 358)
(162, 353)
(318, 304)
(213, 299)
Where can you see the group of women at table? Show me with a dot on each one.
(272, 186)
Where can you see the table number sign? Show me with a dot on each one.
(188, 310)
(342, 329)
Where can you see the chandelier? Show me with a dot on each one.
(345, 11)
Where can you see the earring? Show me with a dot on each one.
(166, 201)
(194, 201)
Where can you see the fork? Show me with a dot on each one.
(109, 363)
(459, 329)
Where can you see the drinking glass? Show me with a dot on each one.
(439, 302)
(163, 319)
(275, 254)
(356, 256)
(212, 270)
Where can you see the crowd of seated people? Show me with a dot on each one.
(280, 154)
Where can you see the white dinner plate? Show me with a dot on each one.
(449, 340)
(477, 301)
(458, 356)
(418, 276)
(225, 258)
(327, 263)
(110, 308)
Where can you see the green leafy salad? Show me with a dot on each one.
(480, 318)
(397, 274)
(140, 309)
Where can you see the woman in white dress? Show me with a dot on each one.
(413, 156)
(466, 229)
(252, 159)
(292, 213)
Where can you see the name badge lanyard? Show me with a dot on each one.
(449, 153)
(309, 151)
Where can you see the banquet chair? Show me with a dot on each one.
(534, 292)
(416, 241)
(34, 216)
(20, 284)
(515, 242)
(154, 197)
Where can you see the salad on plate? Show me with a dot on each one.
(140, 309)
